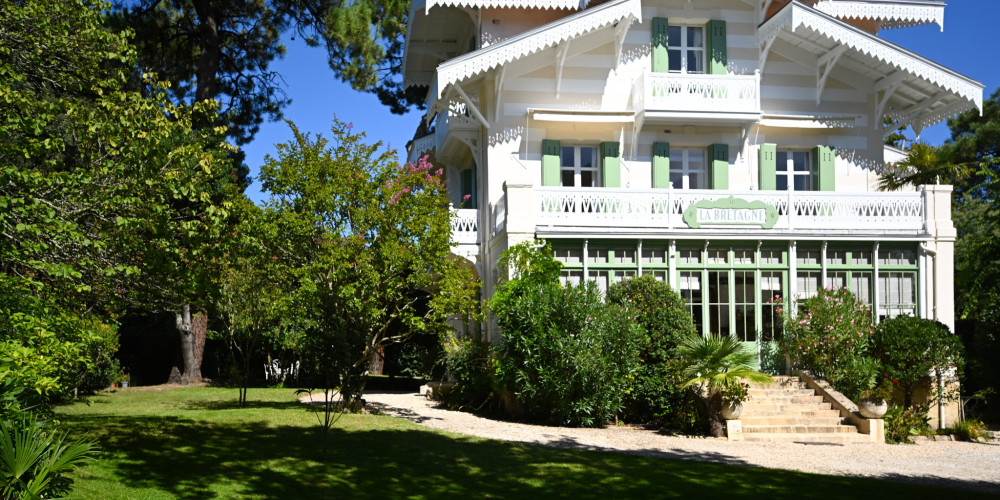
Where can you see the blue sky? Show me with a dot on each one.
(317, 95)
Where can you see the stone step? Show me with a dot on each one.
(798, 413)
(787, 408)
(784, 420)
(800, 429)
(842, 438)
(779, 400)
(769, 393)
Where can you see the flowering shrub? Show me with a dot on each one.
(736, 392)
(831, 336)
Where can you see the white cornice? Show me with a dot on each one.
(536, 40)
(795, 15)
(510, 4)
(892, 13)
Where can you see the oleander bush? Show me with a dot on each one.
(657, 396)
(569, 358)
(830, 336)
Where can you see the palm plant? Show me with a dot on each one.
(924, 164)
(32, 459)
(711, 364)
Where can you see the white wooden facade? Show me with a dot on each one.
(617, 130)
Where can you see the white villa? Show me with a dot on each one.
(729, 147)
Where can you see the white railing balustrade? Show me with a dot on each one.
(464, 226)
(664, 209)
(500, 215)
(422, 146)
(675, 92)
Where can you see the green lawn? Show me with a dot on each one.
(195, 443)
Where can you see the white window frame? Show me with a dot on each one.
(672, 46)
(577, 168)
(790, 173)
(685, 167)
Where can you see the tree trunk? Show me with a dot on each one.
(192, 331)
(716, 425)
(206, 86)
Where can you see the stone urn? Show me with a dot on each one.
(872, 407)
(731, 411)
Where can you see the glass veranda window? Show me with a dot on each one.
(794, 171)
(578, 166)
(686, 50)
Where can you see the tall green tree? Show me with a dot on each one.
(223, 50)
(368, 239)
(101, 187)
(975, 139)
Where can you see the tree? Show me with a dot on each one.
(363, 235)
(975, 139)
(255, 296)
(712, 364)
(222, 50)
(924, 164)
(99, 185)
(911, 348)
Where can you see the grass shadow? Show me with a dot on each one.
(377, 457)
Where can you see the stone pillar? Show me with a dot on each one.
(734, 430)
(941, 282)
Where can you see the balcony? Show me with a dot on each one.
(676, 211)
(454, 126)
(666, 96)
(465, 232)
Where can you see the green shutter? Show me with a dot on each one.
(661, 164)
(467, 188)
(718, 167)
(768, 167)
(474, 200)
(715, 45)
(826, 173)
(550, 163)
(611, 169)
(658, 45)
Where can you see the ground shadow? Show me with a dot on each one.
(184, 458)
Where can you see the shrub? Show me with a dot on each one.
(657, 396)
(910, 348)
(830, 336)
(901, 424)
(472, 364)
(968, 430)
(568, 358)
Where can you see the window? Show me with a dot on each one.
(793, 171)
(687, 169)
(897, 294)
(578, 166)
(686, 52)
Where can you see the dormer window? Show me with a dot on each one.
(686, 49)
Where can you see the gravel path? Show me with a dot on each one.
(954, 464)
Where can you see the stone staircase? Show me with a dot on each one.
(787, 410)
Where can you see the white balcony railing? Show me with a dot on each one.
(422, 146)
(679, 93)
(664, 209)
(456, 117)
(464, 226)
